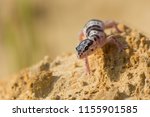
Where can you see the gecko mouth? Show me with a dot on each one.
(80, 56)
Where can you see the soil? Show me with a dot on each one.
(114, 75)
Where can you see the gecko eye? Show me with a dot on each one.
(86, 48)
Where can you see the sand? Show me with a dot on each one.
(114, 75)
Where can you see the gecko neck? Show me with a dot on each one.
(98, 39)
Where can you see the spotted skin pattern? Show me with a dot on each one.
(93, 36)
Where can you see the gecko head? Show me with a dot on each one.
(85, 48)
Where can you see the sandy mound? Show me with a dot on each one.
(114, 75)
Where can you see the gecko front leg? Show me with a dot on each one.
(87, 67)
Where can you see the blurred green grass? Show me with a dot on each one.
(19, 37)
(24, 45)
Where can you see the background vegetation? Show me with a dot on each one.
(30, 29)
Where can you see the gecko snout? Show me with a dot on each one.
(79, 52)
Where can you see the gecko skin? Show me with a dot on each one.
(93, 36)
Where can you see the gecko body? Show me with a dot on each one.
(93, 36)
(93, 32)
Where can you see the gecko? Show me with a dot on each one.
(93, 36)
